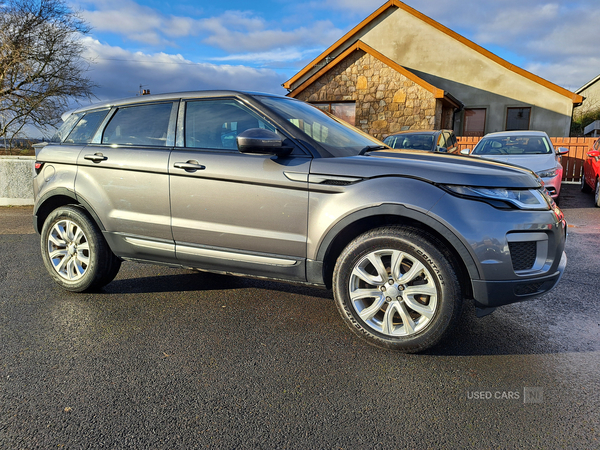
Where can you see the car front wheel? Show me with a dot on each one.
(396, 289)
(74, 251)
(597, 193)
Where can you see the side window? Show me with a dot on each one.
(452, 140)
(442, 140)
(66, 128)
(139, 125)
(215, 124)
(86, 128)
(597, 145)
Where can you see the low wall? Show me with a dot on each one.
(16, 180)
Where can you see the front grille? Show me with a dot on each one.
(523, 255)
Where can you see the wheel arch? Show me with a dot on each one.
(55, 199)
(359, 222)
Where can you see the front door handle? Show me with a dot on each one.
(96, 157)
(189, 166)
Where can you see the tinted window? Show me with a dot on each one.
(139, 125)
(86, 128)
(338, 138)
(513, 145)
(65, 128)
(215, 124)
(414, 141)
(442, 140)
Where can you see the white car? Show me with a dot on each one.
(530, 149)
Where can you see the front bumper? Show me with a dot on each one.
(491, 294)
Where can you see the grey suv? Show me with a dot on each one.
(268, 186)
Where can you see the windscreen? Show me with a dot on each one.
(513, 145)
(411, 141)
(334, 135)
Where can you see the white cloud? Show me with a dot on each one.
(232, 31)
(280, 55)
(119, 73)
(247, 34)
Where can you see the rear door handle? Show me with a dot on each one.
(96, 157)
(189, 166)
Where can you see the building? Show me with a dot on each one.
(399, 69)
(591, 95)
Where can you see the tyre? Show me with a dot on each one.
(74, 251)
(597, 193)
(584, 186)
(397, 290)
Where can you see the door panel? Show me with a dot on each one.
(239, 202)
(129, 188)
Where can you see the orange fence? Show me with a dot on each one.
(572, 162)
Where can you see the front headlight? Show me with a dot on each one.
(521, 198)
(548, 173)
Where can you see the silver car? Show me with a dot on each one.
(530, 149)
(268, 186)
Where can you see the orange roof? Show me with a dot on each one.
(359, 45)
(398, 4)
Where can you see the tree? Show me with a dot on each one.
(41, 68)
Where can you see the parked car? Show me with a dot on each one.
(269, 186)
(590, 178)
(530, 149)
(430, 140)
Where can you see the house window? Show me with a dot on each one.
(345, 111)
(517, 118)
(474, 122)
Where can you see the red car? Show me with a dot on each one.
(591, 173)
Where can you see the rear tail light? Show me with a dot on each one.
(38, 167)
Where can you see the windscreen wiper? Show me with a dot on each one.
(370, 148)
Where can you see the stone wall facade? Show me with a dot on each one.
(386, 101)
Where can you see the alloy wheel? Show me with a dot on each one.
(393, 292)
(69, 250)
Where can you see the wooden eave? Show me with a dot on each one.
(575, 98)
(359, 45)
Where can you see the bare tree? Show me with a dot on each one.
(41, 68)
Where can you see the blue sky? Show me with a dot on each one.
(169, 46)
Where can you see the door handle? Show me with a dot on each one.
(96, 157)
(189, 166)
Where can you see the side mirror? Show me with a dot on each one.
(593, 154)
(562, 150)
(262, 142)
(465, 151)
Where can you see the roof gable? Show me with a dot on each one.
(588, 84)
(359, 45)
(351, 35)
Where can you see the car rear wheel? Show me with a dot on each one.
(584, 186)
(597, 193)
(74, 251)
(397, 290)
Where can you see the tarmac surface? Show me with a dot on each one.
(173, 359)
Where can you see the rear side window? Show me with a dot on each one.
(65, 128)
(146, 125)
(215, 124)
(86, 128)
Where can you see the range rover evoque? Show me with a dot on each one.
(268, 186)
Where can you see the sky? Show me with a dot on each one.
(171, 46)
